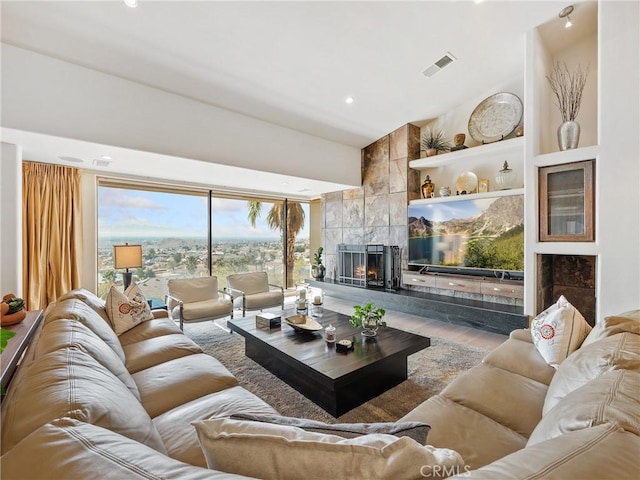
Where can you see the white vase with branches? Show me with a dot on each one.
(568, 88)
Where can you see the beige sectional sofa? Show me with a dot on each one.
(513, 416)
(87, 403)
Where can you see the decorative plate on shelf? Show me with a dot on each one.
(467, 182)
(495, 117)
(302, 323)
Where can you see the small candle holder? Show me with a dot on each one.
(330, 334)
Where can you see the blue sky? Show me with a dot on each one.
(138, 213)
(443, 211)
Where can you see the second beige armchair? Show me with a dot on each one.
(254, 292)
(197, 300)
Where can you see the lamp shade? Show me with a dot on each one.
(127, 256)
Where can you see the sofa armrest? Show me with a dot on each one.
(225, 293)
(522, 334)
(234, 293)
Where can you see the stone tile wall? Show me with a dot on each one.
(377, 211)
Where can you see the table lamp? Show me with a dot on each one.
(127, 256)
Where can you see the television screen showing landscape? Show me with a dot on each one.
(486, 233)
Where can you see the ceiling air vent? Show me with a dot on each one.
(438, 65)
(99, 162)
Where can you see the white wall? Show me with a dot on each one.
(45, 95)
(11, 220)
(618, 169)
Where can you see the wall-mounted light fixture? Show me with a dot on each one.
(131, 3)
(564, 13)
(127, 256)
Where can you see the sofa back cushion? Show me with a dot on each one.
(77, 310)
(602, 452)
(610, 398)
(614, 324)
(65, 333)
(620, 351)
(69, 382)
(90, 299)
(67, 449)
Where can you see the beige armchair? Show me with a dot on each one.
(254, 291)
(197, 300)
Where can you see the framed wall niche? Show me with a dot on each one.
(566, 196)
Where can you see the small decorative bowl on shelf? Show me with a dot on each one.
(12, 310)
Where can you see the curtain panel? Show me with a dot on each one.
(51, 232)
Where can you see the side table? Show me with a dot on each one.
(24, 332)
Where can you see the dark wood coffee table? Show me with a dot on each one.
(337, 382)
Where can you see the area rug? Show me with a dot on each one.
(429, 372)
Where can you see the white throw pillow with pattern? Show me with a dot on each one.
(128, 309)
(559, 331)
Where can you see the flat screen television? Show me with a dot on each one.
(483, 236)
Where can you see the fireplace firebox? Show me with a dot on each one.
(370, 266)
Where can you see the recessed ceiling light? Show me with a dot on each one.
(349, 100)
(106, 157)
(131, 3)
(71, 159)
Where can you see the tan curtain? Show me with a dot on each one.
(50, 232)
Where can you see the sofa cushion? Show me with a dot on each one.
(69, 382)
(477, 438)
(149, 329)
(614, 324)
(180, 437)
(558, 331)
(126, 310)
(90, 299)
(281, 453)
(602, 452)
(172, 383)
(77, 310)
(521, 357)
(69, 449)
(416, 430)
(71, 333)
(620, 351)
(508, 398)
(610, 398)
(152, 351)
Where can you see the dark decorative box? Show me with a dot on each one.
(267, 321)
(343, 346)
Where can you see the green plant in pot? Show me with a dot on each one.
(369, 317)
(433, 142)
(317, 269)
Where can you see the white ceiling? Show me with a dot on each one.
(290, 63)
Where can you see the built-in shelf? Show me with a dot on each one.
(470, 196)
(567, 156)
(489, 151)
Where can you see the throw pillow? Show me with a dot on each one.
(281, 452)
(416, 430)
(558, 331)
(126, 310)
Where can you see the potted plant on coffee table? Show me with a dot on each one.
(369, 317)
(317, 269)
